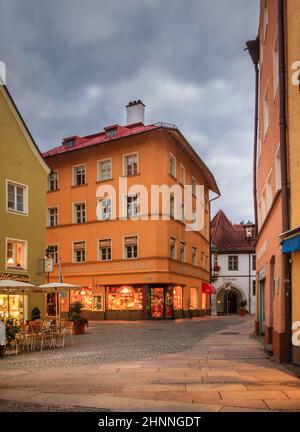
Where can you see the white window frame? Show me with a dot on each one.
(181, 170)
(278, 169)
(99, 162)
(238, 262)
(98, 249)
(48, 216)
(269, 192)
(74, 174)
(171, 156)
(124, 248)
(175, 247)
(57, 245)
(25, 197)
(57, 180)
(100, 200)
(136, 206)
(196, 255)
(125, 156)
(275, 65)
(74, 212)
(181, 242)
(265, 20)
(194, 185)
(7, 239)
(73, 251)
(266, 111)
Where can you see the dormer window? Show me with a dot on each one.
(109, 133)
(70, 143)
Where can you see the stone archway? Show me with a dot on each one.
(229, 297)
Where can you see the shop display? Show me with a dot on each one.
(177, 294)
(157, 302)
(124, 298)
(16, 306)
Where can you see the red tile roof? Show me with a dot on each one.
(98, 138)
(229, 237)
(133, 129)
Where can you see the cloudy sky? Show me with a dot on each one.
(72, 66)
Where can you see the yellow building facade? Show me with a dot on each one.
(23, 181)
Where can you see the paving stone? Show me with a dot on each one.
(263, 394)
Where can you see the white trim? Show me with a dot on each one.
(73, 212)
(25, 200)
(99, 200)
(138, 246)
(275, 88)
(73, 254)
(172, 236)
(54, 244)
(172, 156)
(195, 247)
(25, 133)
(180, 167)
(73, 174)
(57, 172)
(184, 259)
(47, 216)
(98, 249)
(266, 93)
(138, 162)
(25, 268)
(99, 171)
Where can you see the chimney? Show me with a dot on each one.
(135, 112)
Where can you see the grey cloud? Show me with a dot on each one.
(72, 66)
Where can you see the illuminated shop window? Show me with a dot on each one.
(177, 293)
(16, 306)
(16, 254)
(124, 298)
(97, 302)
(84, 296)
(193, 298)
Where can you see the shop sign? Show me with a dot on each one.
(48, 265)
(15, 277)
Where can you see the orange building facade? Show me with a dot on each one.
(132, 267)
(277, 107)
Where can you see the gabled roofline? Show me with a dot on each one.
(24, 128)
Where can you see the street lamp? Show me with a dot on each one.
(249, 230)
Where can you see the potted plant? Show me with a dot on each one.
(35, 314)
(243, 310)
(74, 315)
(12, 329)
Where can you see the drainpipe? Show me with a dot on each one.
(253, 49)
(284, 179)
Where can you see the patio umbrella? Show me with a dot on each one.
(8, 286)
(58, 287)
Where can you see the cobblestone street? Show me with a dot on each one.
(202, 364)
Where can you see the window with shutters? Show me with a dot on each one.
(105, 249)
(130, 247)
(79, 251)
